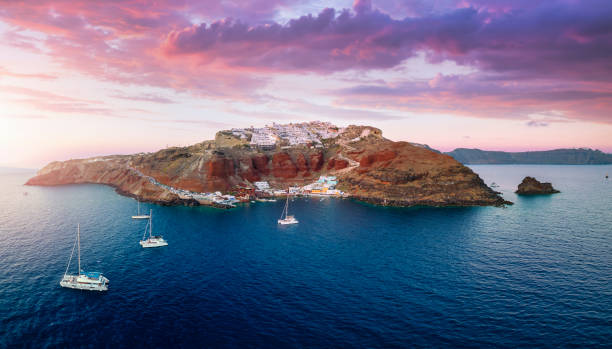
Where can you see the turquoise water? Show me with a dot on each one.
(535, 274)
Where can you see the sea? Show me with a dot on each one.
(534, 274)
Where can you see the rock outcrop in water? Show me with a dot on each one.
(368, 166)
(531, 186)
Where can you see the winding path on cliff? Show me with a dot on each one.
(154, 181)
(352, 164)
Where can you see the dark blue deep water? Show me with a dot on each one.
(536, 274)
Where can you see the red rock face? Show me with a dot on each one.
(247, 170)
(336, 164)
(366, 160)
(331, 163)
(260, 163)
(219, 172)
(220, 167)
(316, 162)
(340, 164)
(300, 162)
(282, 166)
(383, 155)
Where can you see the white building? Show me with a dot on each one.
(263, 138)
(262, 186)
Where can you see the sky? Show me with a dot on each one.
(87, 78)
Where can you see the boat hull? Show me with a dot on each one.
(71, 281)
(154, 243)
(287, 222)
(140, 217)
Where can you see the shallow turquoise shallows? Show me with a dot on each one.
(535, 274)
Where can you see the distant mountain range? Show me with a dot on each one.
(581, 156)
(5, 169)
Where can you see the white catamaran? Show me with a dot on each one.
(288, 219)
(152, 241)
(139, 216)
(91, 281)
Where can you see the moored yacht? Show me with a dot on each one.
(289, 219)
(152, 240)
(140, 216)
(91, 281)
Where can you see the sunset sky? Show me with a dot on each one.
(85, 78)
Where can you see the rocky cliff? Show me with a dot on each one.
(368, 166)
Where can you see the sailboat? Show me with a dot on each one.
(91, 281)
(152, 241)
(288, 219)
(139, 216)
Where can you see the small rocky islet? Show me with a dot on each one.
(531, 186)
(368, 167)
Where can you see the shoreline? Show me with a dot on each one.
(361, 199)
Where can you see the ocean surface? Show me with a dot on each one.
(535, 274)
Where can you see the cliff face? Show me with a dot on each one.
(368, 166)
(401, 174)
(113, 171)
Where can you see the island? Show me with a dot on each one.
(531, 186)
(311, 158)
(582, 156)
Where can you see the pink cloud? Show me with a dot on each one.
(534, 41)
(530, 56)
(487, 96)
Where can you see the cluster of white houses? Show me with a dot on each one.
(306, 133)
(324, 186)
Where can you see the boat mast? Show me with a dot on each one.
(79, 245)
(71, 254)
(284, 210)
(139, 208)
(150, 223)
(287, 205)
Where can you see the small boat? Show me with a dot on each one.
(90, 281)
(266, 200)
(288, 219)
(152, 241)
(140, 216)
